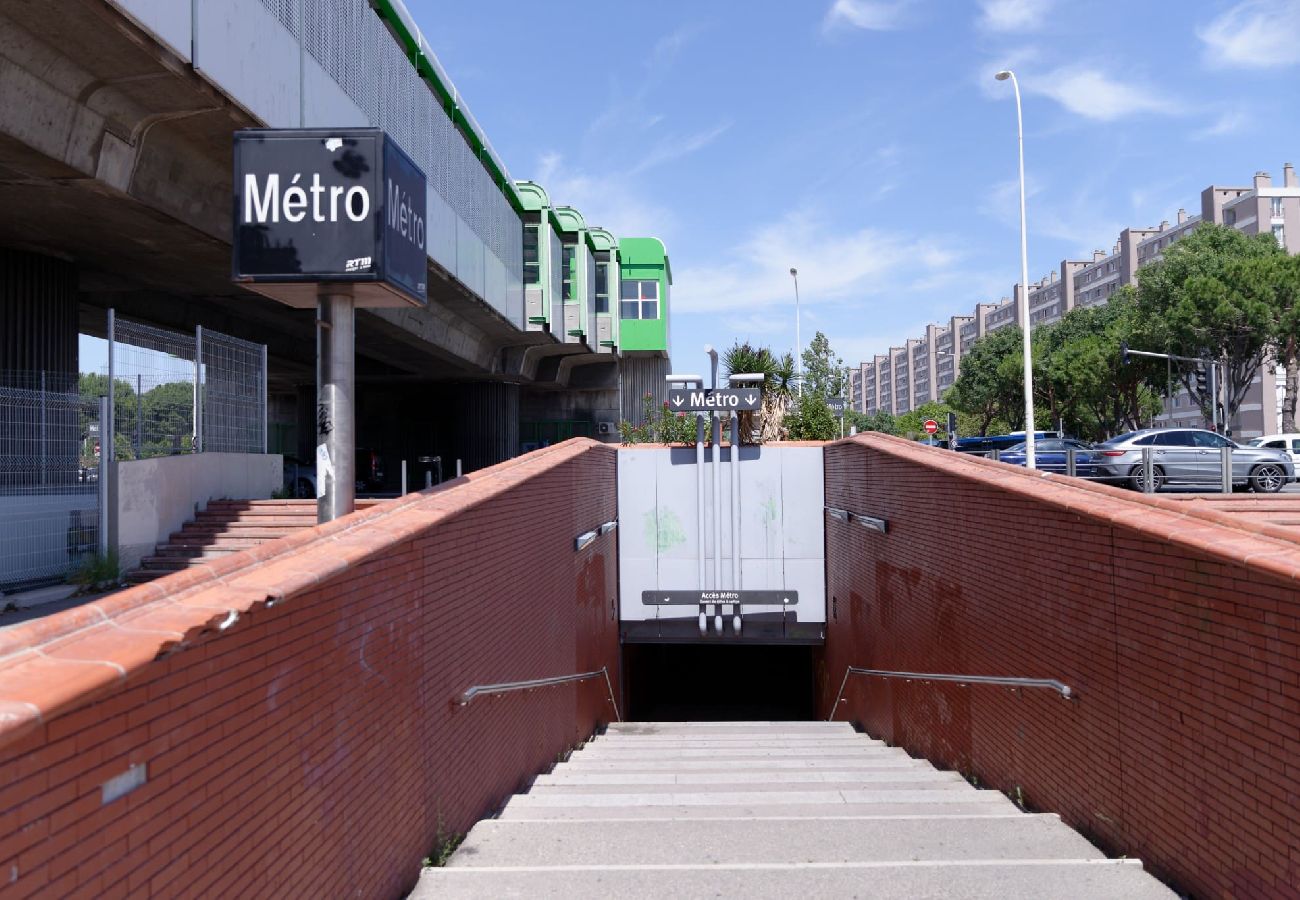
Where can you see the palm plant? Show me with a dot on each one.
(778, 389)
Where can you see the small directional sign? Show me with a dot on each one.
(699, 598)
(713, 399)
(837, 405)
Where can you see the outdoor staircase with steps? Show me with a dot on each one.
(227, 526)
(767, 809)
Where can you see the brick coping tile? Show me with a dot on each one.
(1199, 527)
(54, 665)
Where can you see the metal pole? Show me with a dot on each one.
(1030, 461)
(265, 398)
(735, 502)
(139, 415)
(198, 389)
(798, 340)
(699, 493)
(1225, 469)
(1070, 463)
(458, 469)
(1148, 472)
(716, 422)
(403, 478)
(106, 434)
(104, 406)
(1214, 396)
(336, 463)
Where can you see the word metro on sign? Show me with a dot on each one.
(713, 399)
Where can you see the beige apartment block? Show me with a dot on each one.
(924, 368)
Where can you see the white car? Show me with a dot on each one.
(1288, 442)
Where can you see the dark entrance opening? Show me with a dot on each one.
(717, 682)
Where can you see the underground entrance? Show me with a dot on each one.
(712, 682)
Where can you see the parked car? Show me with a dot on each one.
(1287, 442)
(300, 476)
(1191, 456)
(986, 444)
(1050, 456)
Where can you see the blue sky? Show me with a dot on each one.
(865, 141)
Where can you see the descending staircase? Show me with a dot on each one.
(227, 526)
(789, 810)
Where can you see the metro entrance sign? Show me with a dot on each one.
(726, 598)
(713, 400)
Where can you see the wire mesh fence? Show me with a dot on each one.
(185, 393)
(49, 477)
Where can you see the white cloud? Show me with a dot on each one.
(1228, 123)
(607, 200)
(1013, 15)
(671, 148)
(1257, 34)
(833, 267)
(870, 15)
(1092, 93)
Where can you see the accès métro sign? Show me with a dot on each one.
(315, 206)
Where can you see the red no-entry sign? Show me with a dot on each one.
(931, 426)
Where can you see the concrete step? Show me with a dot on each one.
(897, 775)
(497, 842)
(671, 814)
(644, 729)
(851, 751)
(969, 880)
(691, 795)
(167, 551)
(724, 764)
(723, 788)
(669, 742)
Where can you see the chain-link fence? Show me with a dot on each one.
(164, 382)
(49, 477)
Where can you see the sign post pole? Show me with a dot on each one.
(335, 425)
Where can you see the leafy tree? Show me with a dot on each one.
(660, 426)
(823, 372)
(1213, 297)
(880, 420)
(912, 424)
(1286, 281)
(990, 385)
(812, 419)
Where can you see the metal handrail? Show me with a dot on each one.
(507, 687)
(1006, 681)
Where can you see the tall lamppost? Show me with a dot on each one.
(1024, 280)
(798, 342)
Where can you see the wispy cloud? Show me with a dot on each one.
(833, 267)
(1257, 34)
(1228, 123)
(672, 148)
(870, 15)
(1073, 214)
(1092, 93)
(608, 200)
(1013, 15)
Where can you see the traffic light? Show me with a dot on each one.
(1123, 352)
(1202, 381)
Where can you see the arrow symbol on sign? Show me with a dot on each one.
(677, 401)
(751, 399)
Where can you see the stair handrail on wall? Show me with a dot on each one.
(506, 687)
(1006, 681)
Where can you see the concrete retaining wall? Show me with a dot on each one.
(157, 496)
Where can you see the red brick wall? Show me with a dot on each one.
(311, 748)
(1179, 632)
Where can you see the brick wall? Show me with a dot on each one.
(1178, 630)
(292, 704)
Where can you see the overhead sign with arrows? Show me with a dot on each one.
(714, 399)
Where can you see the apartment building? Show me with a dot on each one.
(923, 369)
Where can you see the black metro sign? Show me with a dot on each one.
(314, 206)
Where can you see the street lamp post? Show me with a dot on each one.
(1024, 279)
(798, 341)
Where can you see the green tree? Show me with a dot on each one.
(823, 372)
(811, 419)
(912, 424)
(990, 384)
(1287, 335)
(880, 420)
(1214, 296)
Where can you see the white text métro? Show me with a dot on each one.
(267, 203)
(402, 215)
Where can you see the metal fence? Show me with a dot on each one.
(50, 502)
(174, 392)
